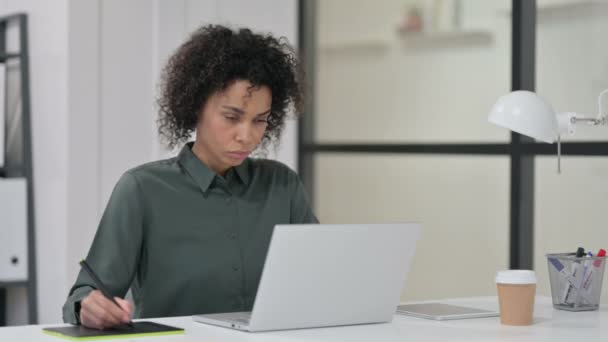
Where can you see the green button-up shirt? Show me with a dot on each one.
(188, 241)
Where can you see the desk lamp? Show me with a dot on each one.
(526, 113)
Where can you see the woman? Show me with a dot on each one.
(189, 234)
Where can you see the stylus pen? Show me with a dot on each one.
(101, 286)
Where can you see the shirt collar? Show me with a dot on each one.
(242, 170)
(201, 173)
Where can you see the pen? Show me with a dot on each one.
(586, 263)
(596, 264)
(588, 276)
(100, 286)
(580, 252)
(560, 268)
(571, 280)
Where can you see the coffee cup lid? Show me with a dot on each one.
(516, 277)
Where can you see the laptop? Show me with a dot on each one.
(319, 275)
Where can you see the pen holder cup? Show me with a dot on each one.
(576, 282)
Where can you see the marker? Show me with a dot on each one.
(580, 252)
(586, 270)
(587, 265)
(560, 268)
(596, 264)
(587, 278)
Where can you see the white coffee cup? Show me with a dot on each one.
(516, 292)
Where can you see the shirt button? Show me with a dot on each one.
(233, 236)
(228, 200)
(235, 267)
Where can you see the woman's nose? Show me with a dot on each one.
(243, 133)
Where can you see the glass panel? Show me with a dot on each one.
(433, 82)
(569, 210)
(13, 106)
(14, 120)
(571, 76)
(462, 203)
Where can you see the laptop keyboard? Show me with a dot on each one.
(242, 317)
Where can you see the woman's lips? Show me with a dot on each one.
(240, 155)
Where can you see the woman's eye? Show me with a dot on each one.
(262, 121)
(231, 118)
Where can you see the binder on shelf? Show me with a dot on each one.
(13, 230)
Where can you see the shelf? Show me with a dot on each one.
(559, 6)
(20, 164)
(5, 56)
(362, 44)
(443, 38)
(10, 172)
(16, 283)
(438, 38)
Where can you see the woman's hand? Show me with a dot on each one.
(98, 312)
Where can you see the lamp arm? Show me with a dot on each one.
(575, 118)
(567, 121)
(600, 116)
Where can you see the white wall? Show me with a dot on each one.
(94, 69)
(84, 171)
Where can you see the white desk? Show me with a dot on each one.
(550, 325)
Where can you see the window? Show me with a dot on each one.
(397, 129)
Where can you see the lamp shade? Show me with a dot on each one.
(526, 113)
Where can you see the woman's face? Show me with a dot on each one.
(231, 125)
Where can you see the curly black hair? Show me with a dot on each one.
(212, 59)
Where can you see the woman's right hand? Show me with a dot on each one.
(98, 312)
